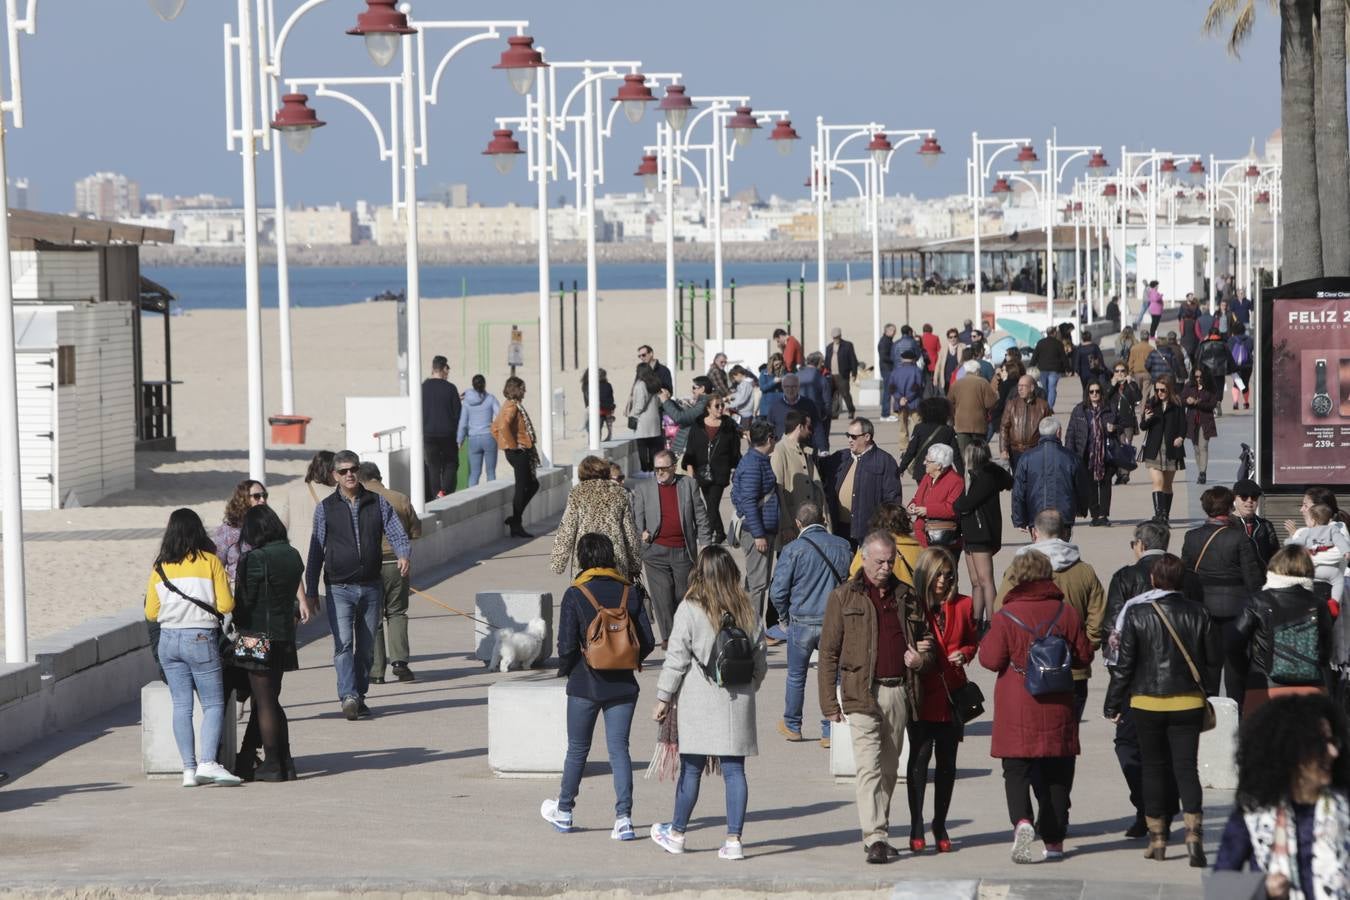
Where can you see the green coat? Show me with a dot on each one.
(265, 590)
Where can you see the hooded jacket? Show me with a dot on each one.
(1078, 583)
(476, 414)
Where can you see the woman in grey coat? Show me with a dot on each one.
(644, 405)
(712, 721)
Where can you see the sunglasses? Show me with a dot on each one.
(851, 436)
(1092, 391)
(664, 468)
(1162, 391)
(261, 496)
(350, 470)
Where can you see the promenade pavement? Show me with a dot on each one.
(404, 802)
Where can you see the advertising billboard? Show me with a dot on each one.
(1303, 385)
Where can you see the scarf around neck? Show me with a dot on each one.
(591, 574)
(1274, 836)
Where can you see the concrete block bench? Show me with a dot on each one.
(1218, 765)
(527, 726)
(159, 751)
(510, 609)
(842, 766)
(869, 394)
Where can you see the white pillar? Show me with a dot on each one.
(592, 316)
(671, 166)
(874, 191)
(545, 417)
(252, 302)
(821, 174)
(718, 151)
(1051, 199)
(1077, 269)
(283, 275)
(11, 486)
(1209, 257)
(977, 195)
(417, 484)
(1087, 263)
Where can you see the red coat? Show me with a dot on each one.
(955, 632)
(931, 347)
(937, 497)
(792, 354)
(1027, 727)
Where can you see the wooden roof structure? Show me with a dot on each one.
(30, 230)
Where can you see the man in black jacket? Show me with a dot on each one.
(440, 422)
(1148, 545)
(1223, 572)
(1246, 506)
(346, 544)
(1052, 361)
(885, 365)
(843, 365)
(859, 478)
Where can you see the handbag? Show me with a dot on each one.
(225, 635)
(633, 420)
(1210, 718)
(967, 701)
(941, 532)
(1120, 455)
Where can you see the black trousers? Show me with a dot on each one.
(442, 460)
(1051, 777)
(527, 485)
(712, 498)
(647, 449)
(1099, 497)
(886, 371)
(1168, 744)
(1232, 646)
(842, 393)
(1132, 766)
(927, 739)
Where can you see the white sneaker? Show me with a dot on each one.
(667, 838)
(623, 829)
(1023, 837)
(215, 773)
(189, 777)
(560, 820)
(731, 850)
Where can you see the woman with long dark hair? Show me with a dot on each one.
(1292, 817)
(1165, 446)
(1165, 643)
(1199, 402)
(710, 457)
(935, 729)
(935, 414)
(1091, 425)
(1123, 395)
(265, 590)
(644, 408)
(230, 545)
(514, 433)
(981, 518)
(712, 721)
(189, 596)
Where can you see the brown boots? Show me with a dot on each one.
(1157, 838)
(1195, 839)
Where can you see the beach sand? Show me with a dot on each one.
(92, 560)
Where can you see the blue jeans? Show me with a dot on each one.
(581, 716)
(802, 639)
(686, 790)
(482, 450)
(1050, 385)
(353, 610)
(191, 661)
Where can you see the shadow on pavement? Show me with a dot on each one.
(24, 798)
(315, 765)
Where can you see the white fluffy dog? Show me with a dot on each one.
(518, 649)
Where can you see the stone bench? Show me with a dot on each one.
(1217, 756)
(510, 609)
(527, 725)
(159, 751)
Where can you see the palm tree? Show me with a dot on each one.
(1333, 142)
(1298, 120)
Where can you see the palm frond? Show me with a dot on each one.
(1219, 12)
(1242, 28)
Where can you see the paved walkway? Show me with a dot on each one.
(405, 801)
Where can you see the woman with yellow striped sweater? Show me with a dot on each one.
(189, 596)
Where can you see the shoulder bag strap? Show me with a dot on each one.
(591, 597)
(1196, 567)
(1195, 673)
(839, 579)
(193, 600)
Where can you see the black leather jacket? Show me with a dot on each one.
(1268, 610)
(1129, 581)
(1229, 572)
(1262, 534)
(1149, 661)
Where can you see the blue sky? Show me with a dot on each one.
(108, 86)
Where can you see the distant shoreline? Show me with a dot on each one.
(843, 249)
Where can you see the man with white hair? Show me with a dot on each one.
(1049, 477)
(874, 642)
(972, 399)
(717, 374)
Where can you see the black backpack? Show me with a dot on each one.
(732, 662)
(1049, 668)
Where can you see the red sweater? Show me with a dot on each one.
(937, 497)
(955, 632)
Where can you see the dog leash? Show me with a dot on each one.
(447, 606)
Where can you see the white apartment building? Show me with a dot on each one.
(437, 224)
(107, 195)
(320, 225)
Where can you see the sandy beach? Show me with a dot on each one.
(90, 561)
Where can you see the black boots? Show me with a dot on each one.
(1162, 508)
(1195, 836)
(516, 530)
(1200, 479)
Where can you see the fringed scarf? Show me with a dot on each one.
(1096, 443)
(1274, 837)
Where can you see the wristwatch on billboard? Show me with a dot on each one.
(1321, 401)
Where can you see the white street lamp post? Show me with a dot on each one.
(977, 171)
(11, 485)
(1055, 168)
